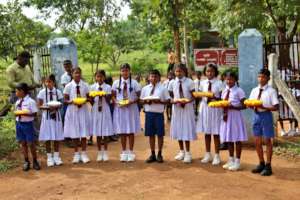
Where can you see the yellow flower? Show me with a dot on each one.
(22, 112)
(79, 101)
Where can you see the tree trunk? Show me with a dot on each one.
(176, 33)
(186, 47)
(284, 49)
(93, 68)
(97, 62)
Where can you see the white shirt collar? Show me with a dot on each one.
(212, 80)
(26, 97)
(75, 84)
(123, 80)
(264, 87)
(102, 85)
(182, 79)
(232, 88)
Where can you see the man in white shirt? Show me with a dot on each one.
(67, 76)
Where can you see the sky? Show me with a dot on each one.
(33, 13)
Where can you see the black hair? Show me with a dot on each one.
(109, 80)
(232, 75)
(76, 69)
(265, 72)
(171, 73)
(66, 62)
(125, 66)
(213, 66)
(182, 67)
(198, 73)
(154, 72)
(51, 77)
(102, 72)
(24, 87)
(24, 54)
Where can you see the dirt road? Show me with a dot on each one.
(170, 180)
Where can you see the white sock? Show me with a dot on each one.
(104, 151)
(56, 154)
(124, 152)
(231, 159)
(77, 153)
(237, 161)
(83, 152)
(49, 155)
(99, 152)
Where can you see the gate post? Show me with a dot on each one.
(273, 67)
(250, 55)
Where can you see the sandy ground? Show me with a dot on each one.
(170, 180)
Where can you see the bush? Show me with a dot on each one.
(144, 63)
(8, 141)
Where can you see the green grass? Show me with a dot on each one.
(5, 165)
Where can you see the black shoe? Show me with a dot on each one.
(151, 159)
(36, 165)
(267, 171)
(159, 158)
(26, 166)
(259, 168)
(223, 146)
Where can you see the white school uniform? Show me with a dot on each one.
(210, 118)
(126, 120)
(28, 104)
(51, 129)
(166, 83)
(268, 96)
(183, 119)
(197, 83)
(77, 119)
(65, 78)
(159, 91)
(101, 121)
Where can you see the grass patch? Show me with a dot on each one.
(5, 165)
(289, 150)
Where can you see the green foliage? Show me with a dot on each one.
(147, 61)
(77, 15)
(268, 16)
(5, 165)
(18, 32)
(8, 141)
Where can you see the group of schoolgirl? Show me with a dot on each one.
(225, 125)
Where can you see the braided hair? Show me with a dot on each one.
(125, 66)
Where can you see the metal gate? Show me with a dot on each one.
(44, 53)
(288, 71)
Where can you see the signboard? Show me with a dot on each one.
(220, 56)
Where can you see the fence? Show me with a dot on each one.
(288, 69)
